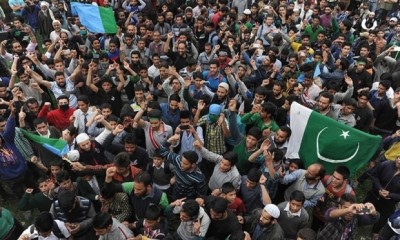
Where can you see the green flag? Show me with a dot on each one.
(317, 138)
(54, 145)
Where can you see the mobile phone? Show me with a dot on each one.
(365, 210)
(184, 127)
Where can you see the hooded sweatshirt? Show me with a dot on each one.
(12, 163)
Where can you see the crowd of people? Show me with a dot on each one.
(177, 125)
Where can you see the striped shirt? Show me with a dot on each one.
(188, 184)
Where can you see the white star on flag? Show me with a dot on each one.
(344, 134)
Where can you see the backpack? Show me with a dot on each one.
(56, 231)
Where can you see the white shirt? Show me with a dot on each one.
(153, 71)
(35, 233)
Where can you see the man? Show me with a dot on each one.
(224, 170)
(325, 107)
(60, 86)
(344, 220)
(276, 96)
(341, 66)
(141, 192)
(379, 96)
(387, 114)
(223, 221)
(186, 134)
(171, 111)
(60, 117)
(190, 181)
(280, 139)
(156, 131)
(194, 221)
(179, 57)
(137, 155)
(346, 113)
(360, 76)
(264, 224)
(336, 186)
(82, 115)
(293, 216)
(162, 27)
(311, 90)
(107, 227)
(43, 129)
(385, 192)
(45, 227)
(213, 76)
(126, 171)
(308, 181)
(76, 212)
(13, 165)
(253, 191)
(154, 70)
(207, 56)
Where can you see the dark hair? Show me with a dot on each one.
(237, 235)
(286, 129)
(42, 179)
(155, 113)
(144, 177)
(174, 97)
(191, 208)
(219, 205)
(344, 171)
(66, 200)
(184, 114)
(254, 175)
(191, 156)
(63, 176)
(32, 101)
(270, 108)
(385, 83)
(44, 222)
(333, 85)
(130, 138)
(83, 98)
(261, 91)
(105, 105)
(298, 196)
(107, 192)
(122, 160)
(57, 163)
(347, 197)
(364, 93)
(386, 76)
(227, 187)
(153, 212)
(198, 75)
(231, 156)
(38, 121)
(278, 154)
(327, 95)
(350, 102)
(138, 88)
(344, 63)
(62, 97)
(102, 220)
(255, 132)
(298, 162)
(58, 74)
(307, 234)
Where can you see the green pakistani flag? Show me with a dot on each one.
(317, 138)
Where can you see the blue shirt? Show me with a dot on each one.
(213, 82)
